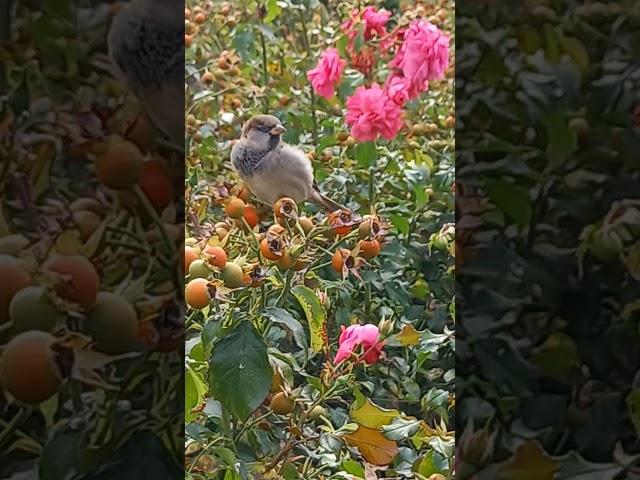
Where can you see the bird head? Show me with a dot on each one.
(165, 12)
(263, 131)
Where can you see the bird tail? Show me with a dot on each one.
(321, 199)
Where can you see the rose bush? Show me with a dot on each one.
(325, 345)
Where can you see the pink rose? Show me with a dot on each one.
(359, 335)
(327, 73)
(423, 56)
(371, 113)
(375, 21)
(397, 88)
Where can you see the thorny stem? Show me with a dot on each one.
(202, 452)
(285, 289)
(290, 444)
(250, 424)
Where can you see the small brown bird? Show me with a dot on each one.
(273, 169)
(146, 46)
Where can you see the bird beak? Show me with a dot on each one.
(277, 130)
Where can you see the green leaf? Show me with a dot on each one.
(353, 468)
(243, 42)
(366, 154)
(359, 40)
(315, 313)
(326, 141)
(562, 140)
(401, 223)
(267, 32)
(240, 373)
(273, 11)
(573, 466)
(401, 429)
(341, 45)
(512, 200)
(576, 50)
(558, 356)
(492, 68)
(551, 46)
(431, 463)
(281, 316)
(529, 40)
(191, 396)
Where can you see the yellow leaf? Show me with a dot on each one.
(633, 407)
(372, 445)
(558, 356)
(371, 415)
(632, 262)
(529, 462)
(408, 336)
(69, 242)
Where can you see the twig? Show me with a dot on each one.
(151, 211)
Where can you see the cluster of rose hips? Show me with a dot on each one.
(195, 17)
(293, 242)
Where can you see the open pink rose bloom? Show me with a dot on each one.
(327, 73)
(355, 336)
(371, 113)
(423, 56)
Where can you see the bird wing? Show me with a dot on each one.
(150, 60)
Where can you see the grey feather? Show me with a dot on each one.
(149, 56)
(273, 169)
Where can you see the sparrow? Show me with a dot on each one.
(271, 168)
(146, 47)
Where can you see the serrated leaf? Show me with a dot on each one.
(512, 200)
(315, 313)
(562, 140)
(281, 316)
(273, 11)
(576, 50)
(551, 46)
(240, 372)
(401, 428)
(191, 396)
(267, 32)
(401, 223)
(371, 415)
(341, 45)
